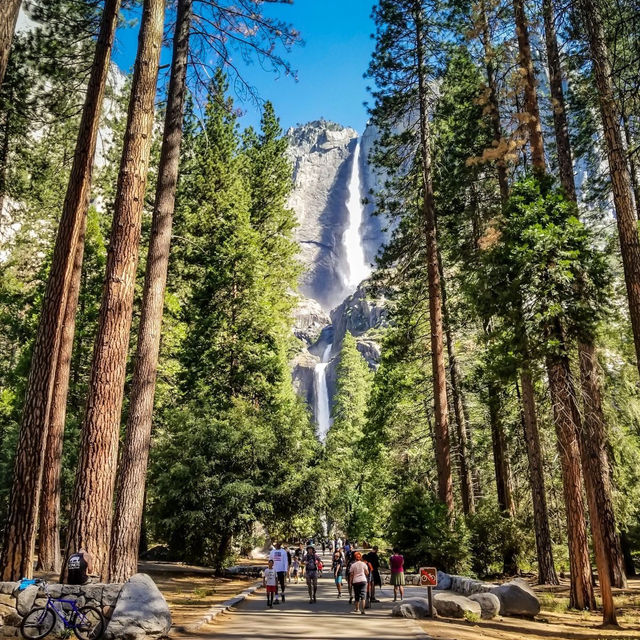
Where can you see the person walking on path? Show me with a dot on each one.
(359, 572)
(349, 560)
(336, 565)
(376, 581)
(300, 554)
(286, 548)
(396, 564)
(270, 581)
(281, 565)
(311, 571)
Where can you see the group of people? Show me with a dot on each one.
(360, 571)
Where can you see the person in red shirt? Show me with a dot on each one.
(396, 564)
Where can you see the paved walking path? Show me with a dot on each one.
(329, 617)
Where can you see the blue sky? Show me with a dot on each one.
(336, 51)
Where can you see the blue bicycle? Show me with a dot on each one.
(86, 622)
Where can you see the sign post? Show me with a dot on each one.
(429, 579)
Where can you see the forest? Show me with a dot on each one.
(148, 277)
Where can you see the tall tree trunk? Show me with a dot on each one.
(593, 434)
(494, 105)
(633, 168)
(530, 92)
(618, 167)
(125, 537)
(566, 416)
(49, 556)
(442, 444)
(544, 546)
(500, 456)
(561, 389)
(457, 396)
(17, 554)
(91, 509)
(9, 10)
(596, 463)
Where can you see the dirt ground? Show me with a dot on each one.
(555, 621)
(192, 591)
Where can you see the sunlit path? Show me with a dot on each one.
(329, 617)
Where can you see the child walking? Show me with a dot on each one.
(270, 581)
(295, 566)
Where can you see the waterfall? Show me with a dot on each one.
(357, 267)
(323, 410)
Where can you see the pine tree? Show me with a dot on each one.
(8, 18)
(90, 523)
(17, 555)
(343, 491)
(133, 465)
(400, 69)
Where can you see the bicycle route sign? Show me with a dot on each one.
(428, 576)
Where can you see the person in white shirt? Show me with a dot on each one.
(270, 581)
(359, 572)
(281, 565)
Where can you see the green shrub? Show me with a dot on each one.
(494, 537)
(420, 528)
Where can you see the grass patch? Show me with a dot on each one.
(203, 592)
(550, 602)
(470, 616)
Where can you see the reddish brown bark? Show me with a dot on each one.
(544, 545)
(564, 411)
(125, 537)
(9, 10)
(49, 556)
(618, 167)
(530, 92)
(593, 434)
(91, 510)
(17, 554)
(441, 412)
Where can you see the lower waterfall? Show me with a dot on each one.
(323, 410)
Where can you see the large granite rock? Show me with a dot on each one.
(309, 319)
(489, 603)
(444, 581)
(322, 156)
(140, 612)
(411, 608)
(449, 605)
(517, 599)
(302, 372)
(358, 314)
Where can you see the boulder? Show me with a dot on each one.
(110, 593)
(450, 605)
(444, 581)
(25, 599)
(489, 603)
(8, 587)
(517, 599)
(140, 612)
(411, 608)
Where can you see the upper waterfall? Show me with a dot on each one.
(358, 268)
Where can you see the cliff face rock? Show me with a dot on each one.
(321, 153)
(309, 319)
(323, 156)
(358, 314)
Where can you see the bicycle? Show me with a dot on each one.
(87, 622)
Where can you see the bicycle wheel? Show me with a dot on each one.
(37, 623)
(89, 623)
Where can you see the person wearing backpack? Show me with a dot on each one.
(311, 572)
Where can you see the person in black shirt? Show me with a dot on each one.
(79, 567)
(336, 566)
(374, 560)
